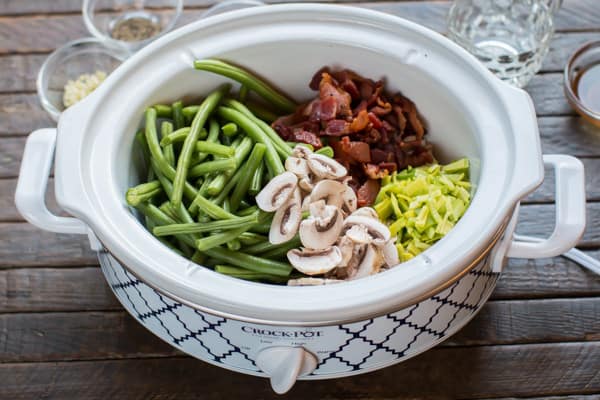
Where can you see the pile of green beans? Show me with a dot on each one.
(206, 162)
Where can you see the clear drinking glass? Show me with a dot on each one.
(510, 37)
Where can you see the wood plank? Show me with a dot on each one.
(22, 113)
(23, 34)
(565, 397)
(547, 277)
(538, 220)
(11, 152)
(55, 289)
(31, 337)
(569, 135)
(546, 90)
(472, 372)
(22, 244)
(545, 193)
(23, 72)
(562, 46)
(8, 210)
(66, 336)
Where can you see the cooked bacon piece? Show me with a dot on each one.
(372, 134)
(367, 192)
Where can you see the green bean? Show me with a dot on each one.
(213, 137)
(243, 94)
(178, 118)
(241, 273)
(177, 136)
(250, 238)
(282, 249)
(198, 258)
(211, 209)
(143, 192)
(221, 225)
(241, 152)
(163, 111)
(209, 242)
(261, 228)
(254, 160)
(209, 167)
(166, 129)
(251, 82)
(167, 208)
(280, 145)
(257, 180)
(160, 218)
(326, 151)
(249, 262)
(157, 155)
(229, 129)
(273, 161)
(261, 112)
(214, 148)
(189, 112)
(168, 188)
(247, 211)
(183, 163)
(227, 205)
(234, 245)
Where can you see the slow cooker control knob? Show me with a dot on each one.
(284, 365)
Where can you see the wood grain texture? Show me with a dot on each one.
(22, 113)
(8, 210)
(23, 34)
(569, 135)
(55, 289)
(22, 244)
(11, 151)
(55, 336)
(474, 372)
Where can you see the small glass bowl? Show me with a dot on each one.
(230, 5)
(82, 56)
(102, 16)
(585, 57)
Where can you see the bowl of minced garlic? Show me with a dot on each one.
(75, 70)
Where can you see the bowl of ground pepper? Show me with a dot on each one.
(130, 23)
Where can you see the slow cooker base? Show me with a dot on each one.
(341, 350)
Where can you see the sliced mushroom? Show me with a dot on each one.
(298, 166)
(276, 192)
(350, 201)
(322, 228)
(332, 192)
(315, 262)
(376, 229)
(306, 203)
(358, 234)
(346, 246)
(306, 184)
(301, 152)
(325, 167)
(390, 253)
(366, 212)
(312, 281)
(287, 219)
(348, 271)
(370, 263)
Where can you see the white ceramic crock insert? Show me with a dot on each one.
(468, 113)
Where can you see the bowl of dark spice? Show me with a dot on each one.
(130, 23)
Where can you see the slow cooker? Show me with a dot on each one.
(289, 333)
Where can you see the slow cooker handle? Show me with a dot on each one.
(570, 211)
(33, 181)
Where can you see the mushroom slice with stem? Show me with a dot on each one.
(298, 166)
(358, 234)
(376, 229)
(301, 152)
(306, 184)
(332, 192)
(325, 167)
(276, 192)
(350, 201)
(323, 227)
(315, 262)
(312, 281)
(286, 220)
(346, 246)
(370, 264)
(306, 203)
(366, 212)
(389, 251)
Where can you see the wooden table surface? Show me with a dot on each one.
(63, 335)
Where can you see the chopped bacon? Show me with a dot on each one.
(372, 134)
(367, 192)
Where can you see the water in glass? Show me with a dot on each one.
(511, 37)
